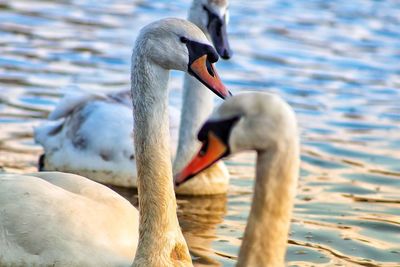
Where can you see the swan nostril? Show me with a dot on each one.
(210, 68)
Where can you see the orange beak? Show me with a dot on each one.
(203, 70)
(211, 151)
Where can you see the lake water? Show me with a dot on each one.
(335, 62)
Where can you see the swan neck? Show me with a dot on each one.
(266, 234)
(159, 230)
(195, 17)
(197, 106)
(198, 103)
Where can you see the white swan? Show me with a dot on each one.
(264, 123)
(59, 219)
(94, 137)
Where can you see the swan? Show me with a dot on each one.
(94, 137)
(265, 123)
(60, 219)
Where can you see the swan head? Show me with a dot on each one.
(212, 17)
(180, 45)
(248, 121)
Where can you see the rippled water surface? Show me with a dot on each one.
(336, 62)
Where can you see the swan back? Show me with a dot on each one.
(73, 219)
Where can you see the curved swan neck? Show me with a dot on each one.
(197, 106)
(193, 16)
(160, 236)
(265, 238)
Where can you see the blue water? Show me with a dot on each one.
(335, 62)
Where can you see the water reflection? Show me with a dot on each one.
(199, 218)
(335, 62)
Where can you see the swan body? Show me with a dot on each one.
(95, 138)
(264, 123)
(90, 134)
(53, 217)
(60, 219)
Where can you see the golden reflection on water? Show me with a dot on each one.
(323, 226)
(341, 75)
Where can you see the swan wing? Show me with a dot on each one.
(76, 222)
(70, 102)
(95, 139)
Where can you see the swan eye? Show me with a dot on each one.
(184, 40)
